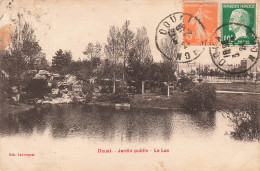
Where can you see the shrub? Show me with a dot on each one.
(201, 97)
(89, 97)
(87, 87)
(185, 84)
(4, 88)
(120, 96)
(245, 122)
(75, 100)
(103, 98)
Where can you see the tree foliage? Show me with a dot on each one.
(21, 55)
(113, 51)
(61, 61)
(94, 53)
(201, 97)
(140, 58)
(245, 122)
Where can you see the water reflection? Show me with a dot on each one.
(105, 123)
(204, 120)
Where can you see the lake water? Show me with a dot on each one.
(68, 137)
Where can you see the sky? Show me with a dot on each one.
(72, 24)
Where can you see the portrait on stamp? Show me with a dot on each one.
(241, 19)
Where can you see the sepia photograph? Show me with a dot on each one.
(127, 85)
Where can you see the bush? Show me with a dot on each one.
(87, 89)
(245, 122)
(201, 97)
(89, 97)
(185, 84)
(120, 96)
(103, 98)
(75, 100)
(4, 88)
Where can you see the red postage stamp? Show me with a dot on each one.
(202, 32)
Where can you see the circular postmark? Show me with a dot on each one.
(235, 55)
(173, 35)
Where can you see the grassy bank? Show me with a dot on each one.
(158, 101)
(235, 101)
(224, 101)
(243, 87)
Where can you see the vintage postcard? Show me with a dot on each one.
(129, 85)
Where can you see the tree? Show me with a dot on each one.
(41, 63)
(104, 70)
(113, 50)
(94, 53)
(24, 43)
(4, 87)
(205, 71)
(127, 42)
(169, 65)
(90, 50)
(61, 61)
(142, 60)
(155, 76)
(168, 69)
(30, 47)
(21, 55)
(211, 73)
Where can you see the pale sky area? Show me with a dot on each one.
(72, 24)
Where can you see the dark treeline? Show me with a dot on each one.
(124, 64)
(207, 71)
(125, 59)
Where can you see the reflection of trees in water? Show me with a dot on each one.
(93, 122)
(23, 123)
(245, 122)
(146, 124)
(204, 120)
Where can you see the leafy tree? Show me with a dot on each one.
(127, 42)
(104, 70)
(14, 65)
(94, 53)
(21, 55)
(25, 44)
(168, 69)
(140, 58)
(169, 65)
(139, 70)
(113, 51)
(61, 61)
(4, 86)
(30, 47)
(155, 76)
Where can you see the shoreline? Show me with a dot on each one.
(149, 101)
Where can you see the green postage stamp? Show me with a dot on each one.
(239, 23)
